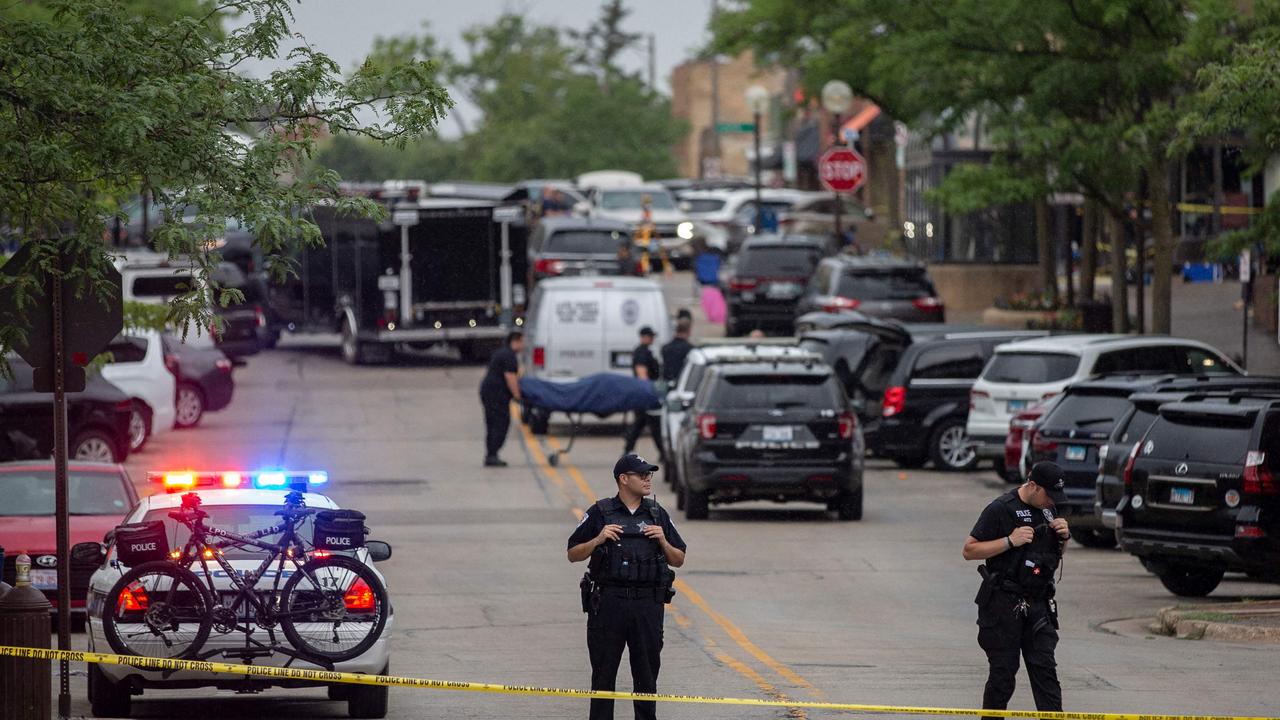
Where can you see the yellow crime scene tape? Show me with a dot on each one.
(325, 676)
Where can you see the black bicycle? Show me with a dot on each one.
(331, 607)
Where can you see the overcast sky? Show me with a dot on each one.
(344, 30)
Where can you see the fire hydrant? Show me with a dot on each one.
(25, 684)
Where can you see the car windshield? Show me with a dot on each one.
(1028, 368)
(778, 260)
(1206, 439)
(241, 519)
(30, 492)
(884, 286)
(704, 205)
(632, 199)
(161, 285)
(589, 242)
(1086, 412)
(775, 391)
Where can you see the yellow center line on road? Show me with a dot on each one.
(573, 471)
(540, 459)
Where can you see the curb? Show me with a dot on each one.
(1191, 623)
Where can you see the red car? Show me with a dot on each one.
(1015, 443)
(99, 495)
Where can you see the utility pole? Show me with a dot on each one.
(653, 72)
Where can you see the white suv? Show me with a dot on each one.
(1024, 373)
(137, 367)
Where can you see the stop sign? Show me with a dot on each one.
(842, 170)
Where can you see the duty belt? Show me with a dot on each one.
(1015, 589)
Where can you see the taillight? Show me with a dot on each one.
(548, 267)
(124, 406)
(1258, 478)
(171, 364)
(539, 357)
(743, 283)
(261, 316)
(707, 426)
(974, 395)
(846, 424)
(359, 597)
(895, 400)
(1250, 531)
(928, 304)
(132, 599)
(1127, 475)
(1041, 445)
(835, 303)
(222, 364)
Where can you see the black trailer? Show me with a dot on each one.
(434, 270)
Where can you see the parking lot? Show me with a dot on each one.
(775, 601)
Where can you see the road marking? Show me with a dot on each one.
(540, 459)
(573, 471)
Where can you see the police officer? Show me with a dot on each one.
(675, 352)
(645, 365)
(1022, 543)
(500, 385)
(632, 545)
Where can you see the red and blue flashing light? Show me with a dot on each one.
(184, 480)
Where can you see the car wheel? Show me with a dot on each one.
(1191, 580)
(697, 505)
(107, 699)
(1101, 539)
(189, 406)
(910, 462)
(848, 506)
(94, 445)
(950, 448)
(139, 425)
(368, 701)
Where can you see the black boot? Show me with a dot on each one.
(494, 461)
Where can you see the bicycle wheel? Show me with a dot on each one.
(157, 610)
(334, 608)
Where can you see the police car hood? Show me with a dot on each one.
(39, 535)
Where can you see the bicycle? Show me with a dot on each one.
(331, 608)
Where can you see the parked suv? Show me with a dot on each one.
(926, 401)
(1023, 374)
(775, 431)
(880, 287)
(1201, 491)
(97, 419)
(766, 282)
(564, 246)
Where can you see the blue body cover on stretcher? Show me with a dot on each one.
(602, 394)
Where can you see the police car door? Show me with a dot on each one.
(575, 337)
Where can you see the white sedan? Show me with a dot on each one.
(242, 510)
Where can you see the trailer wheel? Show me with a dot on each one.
(355, 352)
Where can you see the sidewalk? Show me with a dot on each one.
(1231, 622)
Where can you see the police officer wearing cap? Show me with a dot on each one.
(645, 365)
(1021, 543)
(632, 546)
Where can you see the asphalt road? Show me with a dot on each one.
(775, 601)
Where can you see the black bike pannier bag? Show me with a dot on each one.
(339, 530)
(137, 543)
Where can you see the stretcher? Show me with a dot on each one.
(602, 395)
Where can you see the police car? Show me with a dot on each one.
(240, 502)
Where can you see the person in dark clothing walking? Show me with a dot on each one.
(1022, 543)
(500, 385)
(632, 544)
(644, 365)
(675, 352)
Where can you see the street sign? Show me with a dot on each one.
(842, 170)
(88, 323)
(730, 127)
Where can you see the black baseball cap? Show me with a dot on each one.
(632, 463)
(1050, 477)
(646, 330)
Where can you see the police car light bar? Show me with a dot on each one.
(230, 479)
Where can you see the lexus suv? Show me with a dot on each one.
(766, 281)
(770, 431)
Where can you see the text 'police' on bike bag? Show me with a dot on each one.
(339, 530)
(141, 542)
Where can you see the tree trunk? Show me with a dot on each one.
(1162, 240)
(1089, 250)
(1119, 288)
(1044, 247)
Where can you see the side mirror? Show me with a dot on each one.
(685, 206)
(109, 537)
(378, 550)
(88, 553)
(582, 208)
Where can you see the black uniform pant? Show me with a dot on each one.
(642, 420)
(1004, 634)
(497, 421)
(630, 618)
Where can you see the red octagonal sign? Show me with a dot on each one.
(842, 170)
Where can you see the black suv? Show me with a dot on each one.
(925, 402)
(880, 287)
(563, 246)
(767, 279)
(770, 431)
(97, 419)
(1201, 491)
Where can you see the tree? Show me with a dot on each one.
(99, 98)
(604, 40)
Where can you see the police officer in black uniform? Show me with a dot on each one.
(1022, 543)
(632, 545)
(499, 386)
(645, 365)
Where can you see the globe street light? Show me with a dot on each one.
(758, 100)
(837, 96)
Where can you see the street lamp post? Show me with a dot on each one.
(837, 96)
(758, 101)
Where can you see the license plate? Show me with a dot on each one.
(778, 433)
(1076, 452)
(44, 579)
(1182, 496)
(1015, 405)
(783, 291)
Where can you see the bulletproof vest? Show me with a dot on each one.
(634, 560)
(1029, 569)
